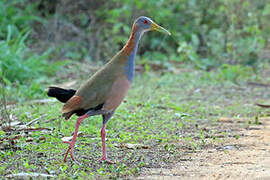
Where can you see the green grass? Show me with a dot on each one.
(171, 114)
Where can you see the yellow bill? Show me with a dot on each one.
(156, 27)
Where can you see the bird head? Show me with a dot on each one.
(146, 24)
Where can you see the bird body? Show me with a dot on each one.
(109, 81)
(116, 77)
(106, 89)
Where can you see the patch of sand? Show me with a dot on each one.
(245, 158)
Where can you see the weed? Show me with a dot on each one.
(161, 120)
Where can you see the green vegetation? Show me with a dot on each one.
(164, 117)
(206, 34)
(184, 83)
(22, 69)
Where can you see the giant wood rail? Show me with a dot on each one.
(106, 89)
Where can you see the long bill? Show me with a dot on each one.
(156, 27)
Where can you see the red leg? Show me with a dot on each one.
(73, 141)
(104, 153)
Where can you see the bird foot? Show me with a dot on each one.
(104, 159)
(70, 149)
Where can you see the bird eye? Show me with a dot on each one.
(145, 21)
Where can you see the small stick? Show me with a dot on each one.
(53, 119)
(263, 105)
(35, 120)
(4, 103)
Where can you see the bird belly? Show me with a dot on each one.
(118, 92)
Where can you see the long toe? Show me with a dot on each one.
(65, 158)
(68, 142)
(72, 154)
(69, 150)
(103, 159)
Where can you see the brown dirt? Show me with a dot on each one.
(245, 158)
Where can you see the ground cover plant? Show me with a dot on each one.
(165, 116)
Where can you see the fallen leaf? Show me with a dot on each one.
(12, 117)
(232, 119)
(23, 174)
(225, 119)
(177, 70)
(15, 123)
(35, 129)
(43, 101)
(42, 138)
(258, 84)
(25, 128)
(69, 138)
(7, 128)
(10, 139)
(29, 139)
(132, 146)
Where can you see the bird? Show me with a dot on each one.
(103, 92)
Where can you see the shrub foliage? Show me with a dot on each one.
(213, 32)
(204, 32)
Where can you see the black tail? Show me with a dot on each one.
(62, 95)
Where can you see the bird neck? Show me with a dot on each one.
(130, 50)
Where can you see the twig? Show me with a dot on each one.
(35, 120)
(27, 129)
(4, 102)
(263, 105)
(258, 84)
(53, 119)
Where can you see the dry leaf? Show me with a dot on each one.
(69, 138)
(15, 123)
(24, 175)
(43, 101)
(10, 139)
(232, 119)
(132, 146)
(25, 128)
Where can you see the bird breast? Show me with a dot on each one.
(117, 94)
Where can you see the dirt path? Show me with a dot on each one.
(245, 158)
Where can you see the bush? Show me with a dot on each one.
(218, 31)
(205, 32)
(19, 64)
(17, 15)
(22, 70)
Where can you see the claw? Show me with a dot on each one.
(65, 158)
(72, 155)
(107, 160)
(68, 142)
(71, 147)
(75, 134)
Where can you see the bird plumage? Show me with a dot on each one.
(99, 88)
(62, 95)
(110, 84)
(106, 89)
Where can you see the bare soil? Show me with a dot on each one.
(245, 158)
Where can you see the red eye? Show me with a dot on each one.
(145, 21)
